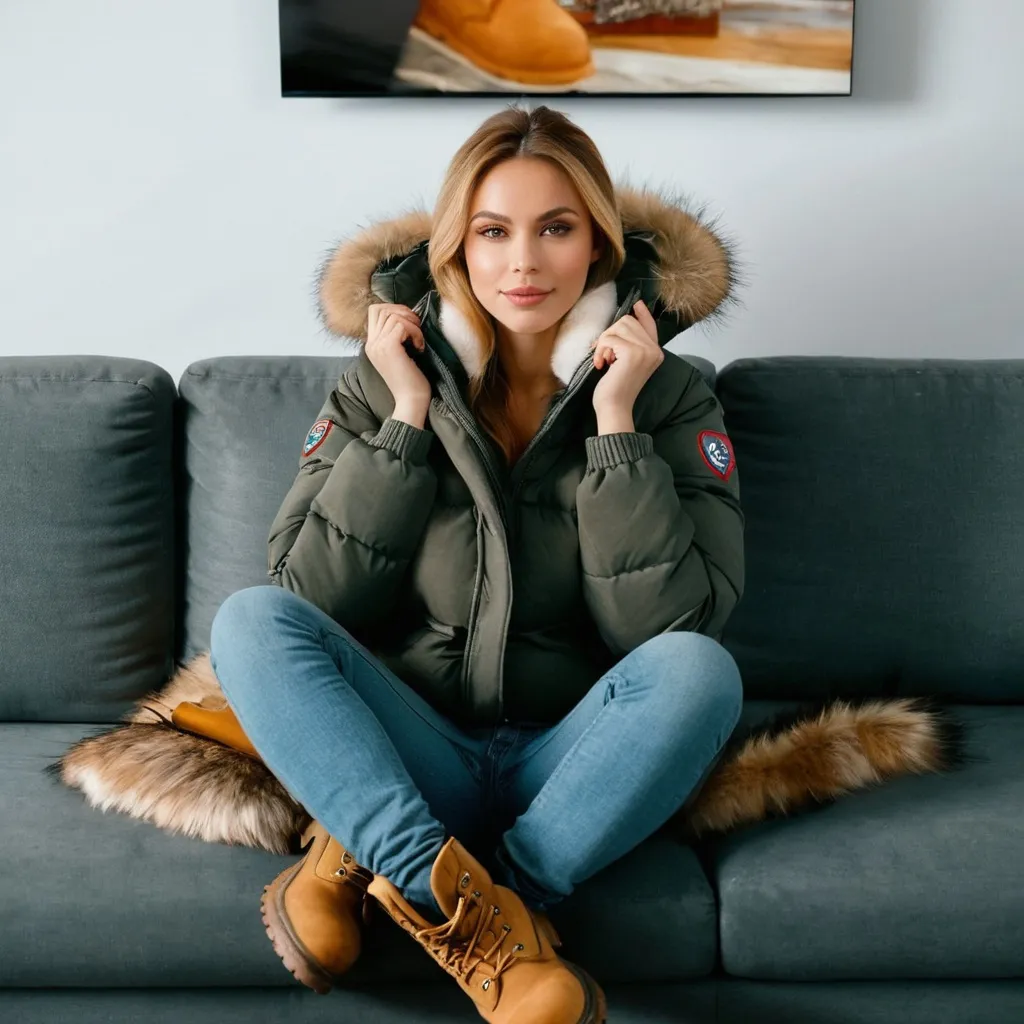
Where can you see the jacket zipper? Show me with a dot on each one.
(450, 393)
(468, 423)
(474, 603)
(577, 381)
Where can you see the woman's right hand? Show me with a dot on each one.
(388, 326)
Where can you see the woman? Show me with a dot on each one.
(470, 759)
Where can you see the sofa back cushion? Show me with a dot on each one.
(884, 527)
(243, 421)
(86, 535)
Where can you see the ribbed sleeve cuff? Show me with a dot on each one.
(607, 450)
(405, 440)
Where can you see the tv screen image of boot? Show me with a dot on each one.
(550, 47)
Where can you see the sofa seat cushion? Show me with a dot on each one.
(103, 899)
(917, 878)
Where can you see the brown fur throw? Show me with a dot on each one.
(198, 787)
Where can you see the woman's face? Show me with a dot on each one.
(528, 227)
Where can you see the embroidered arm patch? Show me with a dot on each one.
(717, 451)
(317, 433)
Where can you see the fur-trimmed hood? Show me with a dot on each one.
(685, 271)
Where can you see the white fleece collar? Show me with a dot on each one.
(583, 323)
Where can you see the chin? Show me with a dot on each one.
(529, 321)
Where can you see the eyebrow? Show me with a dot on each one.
(508, 220)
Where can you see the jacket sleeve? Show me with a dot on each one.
(660, 525)
(355, 514)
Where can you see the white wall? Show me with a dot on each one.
(161, 200)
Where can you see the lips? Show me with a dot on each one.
(526, 292)
(526, 298)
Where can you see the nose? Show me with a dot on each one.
(524, 256)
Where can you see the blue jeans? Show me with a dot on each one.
(541, 807)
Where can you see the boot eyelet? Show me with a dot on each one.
(518, 946)
(476, 892)
(497, 910)
(465, 880)
(507, 927)
(487, 984)
(340, 871)
(346, 858)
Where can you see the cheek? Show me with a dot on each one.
(573, 261)
(482, 261)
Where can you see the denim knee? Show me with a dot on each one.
(250, 616)
(702, 659)
(247, 611)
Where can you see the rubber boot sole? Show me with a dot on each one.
(288, 946)
(596, 1009)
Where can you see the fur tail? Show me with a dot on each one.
(820, 751)
(189, 785)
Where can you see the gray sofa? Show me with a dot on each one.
(885, 555)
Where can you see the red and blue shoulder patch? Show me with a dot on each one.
(717, 451)
(317, 433)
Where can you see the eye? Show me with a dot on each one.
(566, 228)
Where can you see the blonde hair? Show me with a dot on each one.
(514, 132)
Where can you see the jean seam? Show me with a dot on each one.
(497, 785)
(551, 732)
(383, 676)
(539, 799)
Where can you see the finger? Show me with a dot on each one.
(632, 331)
(401, 313)
(400, 327)
(604, 346)
(646, 319)
(404, 311)
(623, 332)
(408, 323)
(405, 314)
(382, 310)
(394, 307)
(642, 312)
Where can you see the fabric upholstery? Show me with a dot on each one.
(884, 539)
(87, 540)
(919, 878)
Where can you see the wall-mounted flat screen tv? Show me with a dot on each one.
(582, 47)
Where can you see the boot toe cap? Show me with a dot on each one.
(565, 996)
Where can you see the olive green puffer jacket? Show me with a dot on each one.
(502, 595)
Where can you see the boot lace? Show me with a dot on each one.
(459, 952)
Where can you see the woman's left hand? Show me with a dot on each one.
(630, 350)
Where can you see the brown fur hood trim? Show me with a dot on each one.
(697, 267)
(197, 786)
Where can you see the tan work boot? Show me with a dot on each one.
(314, 910)
(498, 950)
(523, 42)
